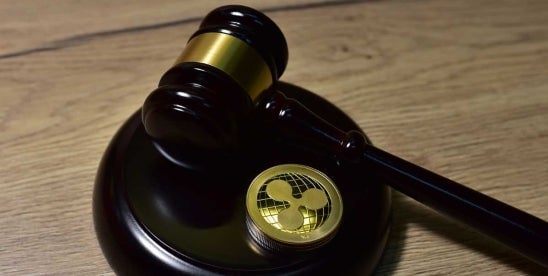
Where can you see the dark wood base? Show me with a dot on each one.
(153, 217)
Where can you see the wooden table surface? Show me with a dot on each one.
(459, 87)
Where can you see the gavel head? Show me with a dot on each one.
(195, 113)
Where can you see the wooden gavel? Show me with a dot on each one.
(229, 71)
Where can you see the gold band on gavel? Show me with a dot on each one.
(232, 56)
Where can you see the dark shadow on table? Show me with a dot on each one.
(405, 212)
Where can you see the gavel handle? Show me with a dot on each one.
(517, 229)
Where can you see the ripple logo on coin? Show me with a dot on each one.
(293, 206)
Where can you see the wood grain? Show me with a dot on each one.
(460, 87)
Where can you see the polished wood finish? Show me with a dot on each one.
(457, 87)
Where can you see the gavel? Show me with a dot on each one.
(228, 72)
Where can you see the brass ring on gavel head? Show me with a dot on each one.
(194, 117)
(232, 56)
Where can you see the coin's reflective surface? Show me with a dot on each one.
(294, 205)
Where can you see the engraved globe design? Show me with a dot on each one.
(271, 208)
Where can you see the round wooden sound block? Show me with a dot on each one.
(154, 217)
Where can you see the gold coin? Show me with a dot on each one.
(294, 205)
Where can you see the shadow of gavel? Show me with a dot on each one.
(228, 72)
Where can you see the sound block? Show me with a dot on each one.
(154, 217)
